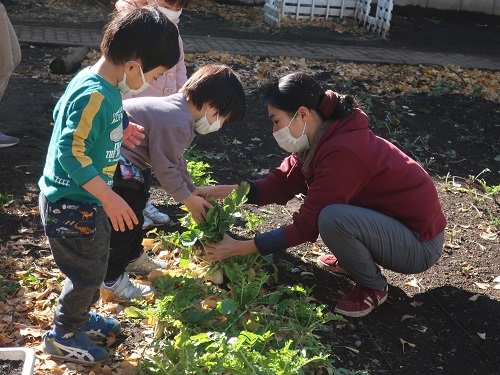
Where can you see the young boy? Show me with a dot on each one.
(77, 203)
(212, 96)
(169, 83)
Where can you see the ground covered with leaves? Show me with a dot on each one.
(445, 320)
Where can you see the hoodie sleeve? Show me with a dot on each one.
(166, 147)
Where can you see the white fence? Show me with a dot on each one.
(276, 10)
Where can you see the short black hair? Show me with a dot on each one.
(141, 33)
(219, 86)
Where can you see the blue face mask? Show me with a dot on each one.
(125, 89)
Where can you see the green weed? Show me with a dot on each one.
(7, 288)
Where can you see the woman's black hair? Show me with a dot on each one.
(298, 89)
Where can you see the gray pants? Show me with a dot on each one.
(361, 239)
(84, 262)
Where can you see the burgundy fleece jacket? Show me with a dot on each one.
(351, 165)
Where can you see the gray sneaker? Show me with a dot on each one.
(145, 264)
(157, 217)
(7, 140)
(127, 290)
(148, 223)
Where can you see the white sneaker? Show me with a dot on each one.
(144, 265)
(126, 289)
(148, 223)
(158, 218)
(7, 140)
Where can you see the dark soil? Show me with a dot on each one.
(456, 137)
(11, 367)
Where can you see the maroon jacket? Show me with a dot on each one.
(351, 165)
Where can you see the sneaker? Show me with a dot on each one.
(148, 223)
(99, 327)
(127, 290)
(145, 264)
(157, 217)
(7, 140)
(361, 301)
(331, 263)
(77, 348)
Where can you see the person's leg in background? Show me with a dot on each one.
(10, 57)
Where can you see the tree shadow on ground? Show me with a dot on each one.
(423, 334)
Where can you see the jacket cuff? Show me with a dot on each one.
(253, 194)
(271, 242)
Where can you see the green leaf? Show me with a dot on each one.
(133, 312)
(227, 307)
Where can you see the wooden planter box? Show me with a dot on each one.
(26, 355)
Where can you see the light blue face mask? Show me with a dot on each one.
(125, 89)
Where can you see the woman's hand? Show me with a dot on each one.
(132, 135)
(197, 206)
(228, 247)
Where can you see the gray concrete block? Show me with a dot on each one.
(483, 6)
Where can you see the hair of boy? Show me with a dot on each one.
(220, 87)
(141, 33)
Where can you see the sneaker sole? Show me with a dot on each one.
(325, 266)
(359, 314)
(83, 363)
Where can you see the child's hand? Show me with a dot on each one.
(132, 135)
(119, 212)
(197, 206)
(215, 192)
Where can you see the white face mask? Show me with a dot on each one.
(125, 89)
(203, 126)
(288, 142)
(172, 15)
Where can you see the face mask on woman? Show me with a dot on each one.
(203, 126)
(288, 142)
(125, 89)
(172, 15)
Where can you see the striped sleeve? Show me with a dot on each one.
(78, 135)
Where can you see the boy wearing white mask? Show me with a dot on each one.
(77, 204)
(211, 97)
(167, 84)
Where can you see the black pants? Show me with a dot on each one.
(126, 246)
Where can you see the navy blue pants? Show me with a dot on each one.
(83, 261)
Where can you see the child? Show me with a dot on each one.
(77, 203)
(167, 84)
(212, 96)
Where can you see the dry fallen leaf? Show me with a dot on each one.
(482, 285)
(474, 297)
(407, 343)
(404, 317)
